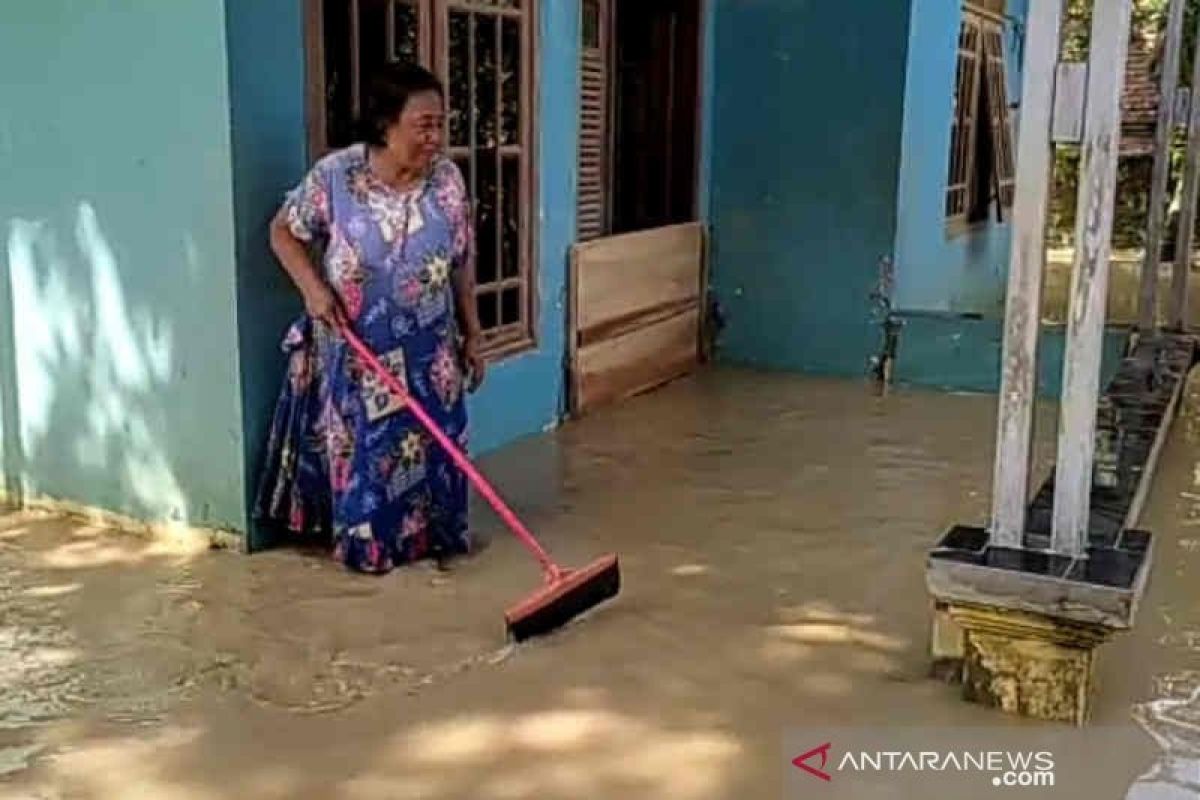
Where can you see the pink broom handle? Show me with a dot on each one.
(553, 571)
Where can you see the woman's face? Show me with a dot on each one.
(416, 137)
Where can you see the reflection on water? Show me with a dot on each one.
(139, 643)
(1175, 725)
(15, 759)
(1172, 718)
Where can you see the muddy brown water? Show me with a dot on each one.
(772, 533)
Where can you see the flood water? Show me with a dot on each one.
(772, 533)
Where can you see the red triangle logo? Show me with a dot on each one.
(823, 751)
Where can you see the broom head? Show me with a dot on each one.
(561, 600)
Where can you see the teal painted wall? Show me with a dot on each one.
(935, 271)
(116, 235)
(956, 354)
(807, 121)
(270, 144)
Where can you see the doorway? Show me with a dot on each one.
(639, 115)
(638, 271)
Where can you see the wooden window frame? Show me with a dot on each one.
(500, 341)
(995, 72)
(963, 123)
(987, 65)
(594, 201)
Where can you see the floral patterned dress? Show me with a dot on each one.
(344, 458)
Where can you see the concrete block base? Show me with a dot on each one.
(1025, 664)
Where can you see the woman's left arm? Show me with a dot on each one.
(464, 277)
(468, 316)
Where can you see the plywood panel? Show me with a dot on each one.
(636, 361)
(625, 275)
(636, 312)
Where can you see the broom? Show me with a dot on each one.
(566, 593)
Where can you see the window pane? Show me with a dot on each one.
(338, 67)
(459, 87)
(488, 311)
(511, 81)
(487, 218)
(510, 258)
(374, 39)
(510, 306)
(591, 23)
(486, 78)
(405, 45)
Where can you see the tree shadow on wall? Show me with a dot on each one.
(120, 371)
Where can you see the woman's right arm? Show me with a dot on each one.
(319, 299)
(305, 216)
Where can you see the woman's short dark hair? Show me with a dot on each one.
(388, 92)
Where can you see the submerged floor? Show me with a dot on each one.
(772, 532)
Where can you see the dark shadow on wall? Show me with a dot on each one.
(120, 389)
(265, 41)
(116, 233)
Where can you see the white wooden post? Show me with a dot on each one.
(1187, 209)
(1018, 380)
(1163, 133)
(1089, 279)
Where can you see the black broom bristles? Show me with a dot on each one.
(558, 604)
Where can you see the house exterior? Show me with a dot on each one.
(144, 148)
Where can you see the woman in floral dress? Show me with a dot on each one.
(392, 217)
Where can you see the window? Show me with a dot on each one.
(981, 169)
(483, 52)
(592, 217)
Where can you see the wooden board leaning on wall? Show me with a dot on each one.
(636, 313)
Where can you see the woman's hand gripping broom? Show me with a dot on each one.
(567, 592)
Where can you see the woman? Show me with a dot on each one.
(393, 219)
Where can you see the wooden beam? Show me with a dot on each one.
(1185, 237)
(1089, 280)
(636, 310)
(1163, 133)
(637, 360)
(1010, 487)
